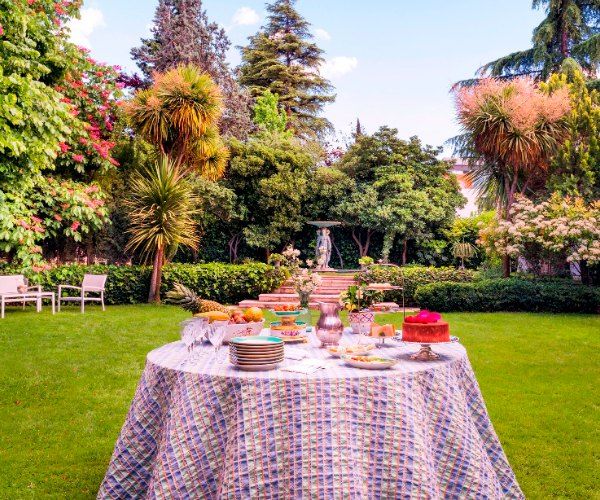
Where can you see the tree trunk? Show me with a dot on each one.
(367, 243)
(358, 242)
(155, 280)
(506, 266)
(234, 244)
(404, 251)
(337, 251)
(388, 243)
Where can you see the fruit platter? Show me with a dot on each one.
(368, 362)
(288, 328)
(236, 322)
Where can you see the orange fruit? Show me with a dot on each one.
(253, 314)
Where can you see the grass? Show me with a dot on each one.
(68, 380)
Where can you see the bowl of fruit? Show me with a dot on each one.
(237, 322)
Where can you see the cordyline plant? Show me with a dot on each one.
(511, 130)
(162, 208)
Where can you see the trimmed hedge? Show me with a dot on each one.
(514, 294)
(226, 283)
(414, 277)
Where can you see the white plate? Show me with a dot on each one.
(357, 350)
(369, 365)
(256, 368)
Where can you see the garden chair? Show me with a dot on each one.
(92, 283)
(13, 288)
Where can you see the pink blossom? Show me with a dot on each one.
(58, 217)
(64, 147)
(78, 158)
(75, 225)
(1, 30)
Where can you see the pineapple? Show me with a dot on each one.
(189, 300)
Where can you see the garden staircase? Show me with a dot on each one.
(332, 285)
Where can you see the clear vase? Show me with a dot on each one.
(304, 299)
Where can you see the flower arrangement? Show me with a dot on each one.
(305, 282)
(291, 257)
(358, 297)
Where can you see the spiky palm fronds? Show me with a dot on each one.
(188, 299)
(162, 207)
(179, 114)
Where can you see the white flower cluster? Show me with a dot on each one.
(560, 225)
(305, 281)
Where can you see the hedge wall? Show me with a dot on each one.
(514, 294)
(226, 283)
(414, 277)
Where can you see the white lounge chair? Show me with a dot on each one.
(10, 294)
(93, 283)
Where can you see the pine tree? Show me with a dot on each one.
(182, 34)
(283, 59)
(571, 29)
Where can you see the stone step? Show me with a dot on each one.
(328, 289)
(292, 297)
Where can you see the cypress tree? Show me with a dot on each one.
(283, 58)
(182, 34)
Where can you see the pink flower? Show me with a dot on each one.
(1, 30)
(75, 225)
(58, 217)
(63, 147)
(35, 219)
(78, 158)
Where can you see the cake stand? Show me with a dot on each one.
(426, 353)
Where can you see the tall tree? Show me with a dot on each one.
(162, 207)
(182, 34)
(511, 131)
(283, 59)
(571, 29)
(403, 190)
(575, 170)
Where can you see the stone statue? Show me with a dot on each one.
(323, 250)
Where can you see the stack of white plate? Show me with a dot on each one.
(256, 353)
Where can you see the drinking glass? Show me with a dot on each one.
(216, 334)
(188, 336)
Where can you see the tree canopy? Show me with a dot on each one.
(283, 59)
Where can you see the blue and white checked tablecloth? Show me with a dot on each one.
(419, 430)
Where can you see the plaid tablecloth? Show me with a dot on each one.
(419, 430)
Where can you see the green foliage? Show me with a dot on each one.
(269, 174)
(283, 59)
(575, 170)
(267, 115)
(162, 209)
(569, 30)
(412, 277)
(226, 283)
(403, 191)
(514, 294)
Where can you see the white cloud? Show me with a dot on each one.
(338, 66)
(322, 34)
(82, 29)
(245, 16)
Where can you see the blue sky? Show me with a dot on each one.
(392, 61)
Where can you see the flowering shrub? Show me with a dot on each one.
(560, 227)
(59, 208)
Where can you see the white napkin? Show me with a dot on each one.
(295, 354)
(306, 366)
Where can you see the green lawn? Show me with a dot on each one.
(67, 382)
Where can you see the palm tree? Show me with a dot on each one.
(570, 30)
(511, 130)
(161, 209)
(179, 115)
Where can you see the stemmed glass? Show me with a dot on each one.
(193, 331)
(216, 334)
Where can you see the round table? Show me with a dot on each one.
(209, 430)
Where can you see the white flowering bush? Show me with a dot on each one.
(305, 281)
(561, 227)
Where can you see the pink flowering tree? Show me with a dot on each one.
(510, 132)
(59, 108)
